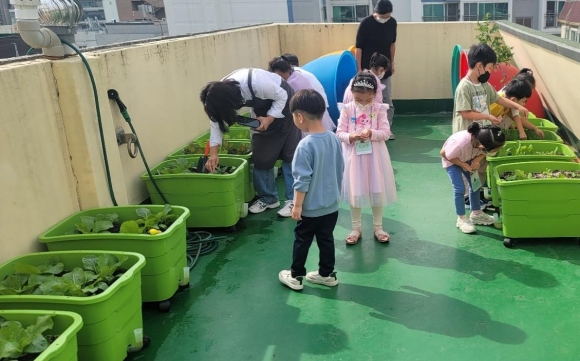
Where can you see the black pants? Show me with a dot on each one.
(322, 227)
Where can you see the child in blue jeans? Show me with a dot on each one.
(461, 156)
(317, 169)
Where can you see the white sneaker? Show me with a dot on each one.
(294, 283)
(314, 277)
(481, 218)
(259, 206)
(286, 211)
(465, 225)
(392, 136)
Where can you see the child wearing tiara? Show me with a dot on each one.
(368, 178)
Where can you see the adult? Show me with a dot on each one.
(276, 138)
(377, 33)
(297, 80)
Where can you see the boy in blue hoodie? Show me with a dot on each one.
(317, 169)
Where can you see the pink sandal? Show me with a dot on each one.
(382, 236)
(353, 237)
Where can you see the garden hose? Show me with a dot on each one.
(99, 120)
(199, 244)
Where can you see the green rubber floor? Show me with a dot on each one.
(433, 293)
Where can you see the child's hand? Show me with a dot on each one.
(366, 134)
(475, 165)
(524, 112)
(539, 133)
(494, 120)
(466, 167)
(523, 135)
(354, 136)
(297, 213)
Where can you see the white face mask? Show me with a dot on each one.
(381, 75)
(381, 20)
(363, 107)
(492, 154)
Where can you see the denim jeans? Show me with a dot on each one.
(265, 183)
(456, 174)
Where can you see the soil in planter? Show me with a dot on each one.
(547, 174)
(513, 135)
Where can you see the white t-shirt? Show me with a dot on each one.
(266, 85)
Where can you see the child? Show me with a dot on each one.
(380, 68)
(518, 91)
(317, 169)
(527, 75)
(462, 155)
(474, 94)
(363, 127)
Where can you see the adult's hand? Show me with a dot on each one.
(392, 68)
(265, 123)
(212, 162)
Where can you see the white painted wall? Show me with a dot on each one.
(111, 12)
(195, 16)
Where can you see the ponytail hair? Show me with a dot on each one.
(279, 63)
(526, 75)
(364, 82)
(380, 61)
(489, 136)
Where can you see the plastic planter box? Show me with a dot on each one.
(66, 325)
(549, 136)
(234, 133)
(539, 208)
(543, 124)
(249, 191)
(502, 158)
(113, 324)
(214, 200)
(165, 253)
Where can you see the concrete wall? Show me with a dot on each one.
(423, 57)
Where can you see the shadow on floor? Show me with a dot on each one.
(562, 249)
(368, 255)
(424, 311)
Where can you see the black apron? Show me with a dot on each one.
(279, 141)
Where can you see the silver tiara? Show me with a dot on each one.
(364, 84)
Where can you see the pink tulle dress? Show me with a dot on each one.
(368, 178)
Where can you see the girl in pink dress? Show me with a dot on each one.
(380, 68)
(368, 179)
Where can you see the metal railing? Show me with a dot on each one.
(551, 20)
(480, 17)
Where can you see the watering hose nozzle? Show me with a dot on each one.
(114, 95)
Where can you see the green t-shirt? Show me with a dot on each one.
(469, 96)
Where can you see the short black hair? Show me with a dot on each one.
(279, 63)
(384, 7)
(481, 53)
(308, 102)
(527, 75)
(379, 60)
(490, 136)
(221, 100)
(518, 89)
(292, 59)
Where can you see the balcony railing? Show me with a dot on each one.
(551, 20)
(441, 18)
(480, 17)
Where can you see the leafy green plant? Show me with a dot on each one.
(50, 278)
(488, 33)
(159, 221)
(519, 174)
(100, 223)
(17, 341)
(514, 135)
(195, 147)
(182, 165)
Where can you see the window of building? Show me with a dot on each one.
(477, 11)
(441, 12)
(524, 21)
(553, 10)
(349, 14)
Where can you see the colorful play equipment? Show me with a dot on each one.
(334, 71)
(501, 76)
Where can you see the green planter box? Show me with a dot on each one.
(502, 158)
(543, 124)
(166, 261)
(214, 200)
(539, 208)
(66, 325)
(111, 319)
(234, 133)
(249, 190)
(549, 136)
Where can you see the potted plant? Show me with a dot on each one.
(103, 287)
(39, 335)
(549, 136)
(157, 232)
(488, 33)
(539, 199)
(214, 199)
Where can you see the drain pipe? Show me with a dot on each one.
(28, 25)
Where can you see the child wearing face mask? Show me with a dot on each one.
(368, 178)
(461, 156)
(381, 68)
